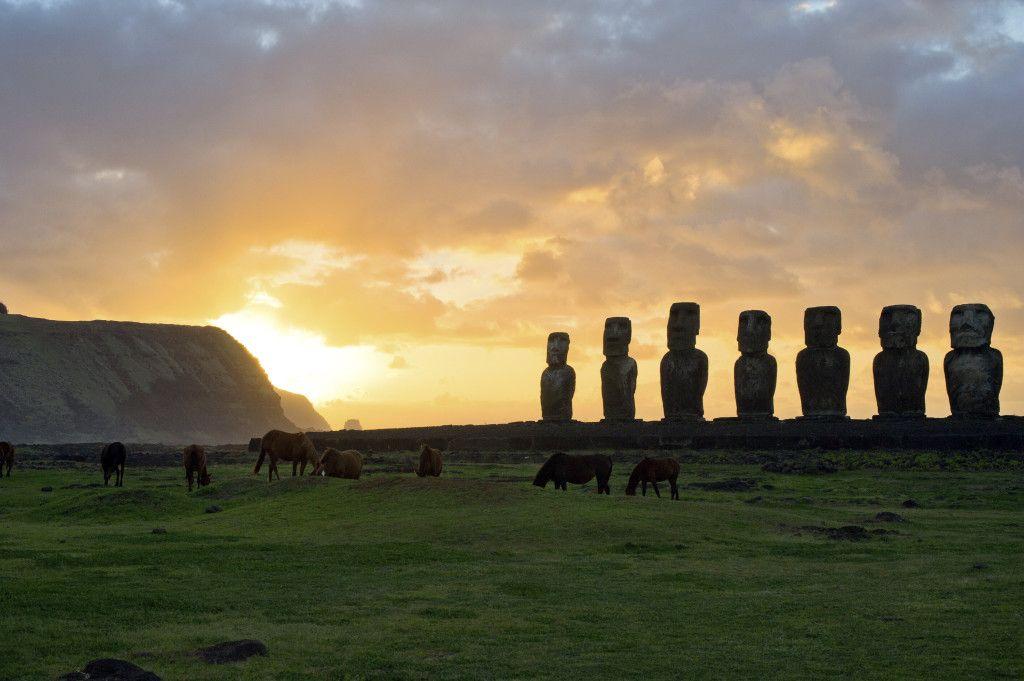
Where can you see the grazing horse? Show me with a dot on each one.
(430, 462)
(194, 460)
(294, 447)
(654, 471)
(334, 464)
(6, 458)
(112, 460)
(578, 469)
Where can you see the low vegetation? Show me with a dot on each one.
(753, 574)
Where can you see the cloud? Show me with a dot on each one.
(471, 176)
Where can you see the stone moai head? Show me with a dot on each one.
(618, 332)
(3, 309)
(822, 326)
(683, 326)
(558, 349)
(899, 326)
(970, 325)
(755, 331)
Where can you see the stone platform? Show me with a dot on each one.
(1002, 434)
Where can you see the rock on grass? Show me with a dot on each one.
(107, 669)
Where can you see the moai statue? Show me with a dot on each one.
(974, 369)
(900, 369)
(684, 368)
(3, 309)
(618, 373)
(558, 382)
(823, 368)
(755, 372)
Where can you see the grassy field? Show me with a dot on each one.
(480, 574)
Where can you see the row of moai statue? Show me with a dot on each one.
(973, 368)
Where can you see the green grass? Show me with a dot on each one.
(480, 574)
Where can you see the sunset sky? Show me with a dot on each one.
(393, 203)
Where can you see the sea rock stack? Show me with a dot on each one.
(618, 373)
(684, 368)
(755, 372)
(973, 368)
(558, 381)
(900, 369)
(823, 368)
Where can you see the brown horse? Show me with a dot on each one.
(578, 469)
(194, 460)
(113, 460)
(654, 471)
(430, 462)
(294, 447)
(6, 458)
(335, 464)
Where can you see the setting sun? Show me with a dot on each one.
(300, 361)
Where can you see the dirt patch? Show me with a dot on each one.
(730, 485)
(844, 533)
(803, 465)
(888, 517)
(231, 651)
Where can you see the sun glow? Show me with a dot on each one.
(301, 361)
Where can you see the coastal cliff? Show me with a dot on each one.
(100, 380)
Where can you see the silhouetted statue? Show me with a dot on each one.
(823, 368)
(618, 373)
(684, 368)
(558, 381)
(3, 309)
(900, 369)
(755, 372)
(974, 369)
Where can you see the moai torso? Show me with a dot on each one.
(755, 372)
(558, 381)
(900, 369)
(823, 368)
(618, 373)
(973, 368)
(684, 368)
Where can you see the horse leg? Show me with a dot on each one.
(121, 476)
(643, 487)
(271, 465)
(188, 476)
(675, 488)
(654, 484)
(295, 466)
(302, 468)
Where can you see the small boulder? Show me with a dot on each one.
(911, 503)
(107, 669)
(214, 509)
(888, 517)
(231, 651)
(980, 566)
(46, 489)
(159, 530)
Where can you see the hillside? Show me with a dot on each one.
(100, 380)
(300, 411)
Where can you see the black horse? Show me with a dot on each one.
(113, 459)
(578, 469)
